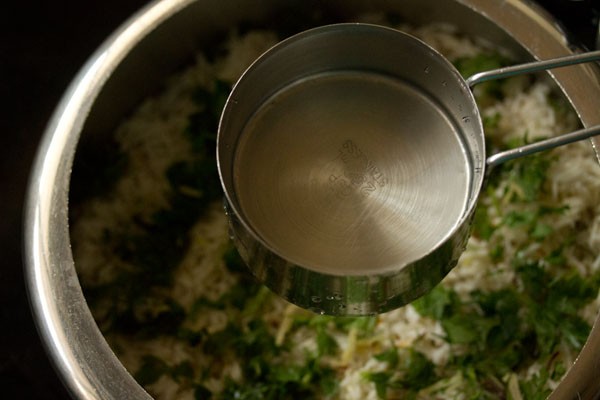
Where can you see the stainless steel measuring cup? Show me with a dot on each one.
(352, 157)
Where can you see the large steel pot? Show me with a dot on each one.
(159, 39)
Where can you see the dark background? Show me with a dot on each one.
(42, 46)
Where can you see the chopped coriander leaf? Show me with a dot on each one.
(193, 337)
(195, 185)
(546, 210)
(491, 121)
(243, 295)
(254, 304)
(534, 388)
(551, 305)
(497, 252)
(528, 174)
(418, 370)
(202, 393)
(469, 66)
(276, 381)
(203, 124)
(436, 303)
(151, 370)
(390, 356)
(364, 325)
(380, 380)
(556, 257)
(482, 225)
(221, 342)
(520, 218)
(255, 341)
(541, 231)
(462, 329)
(289, 373)
(326, 344)
(504, 306)
(252, 391)
(407, 371)
(233, 260)
(182, 371)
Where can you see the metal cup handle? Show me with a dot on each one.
(525, 68)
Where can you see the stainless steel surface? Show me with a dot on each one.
(334, 175)
(352, 152)
(110, 84)
(542, 145)
(533, 67)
